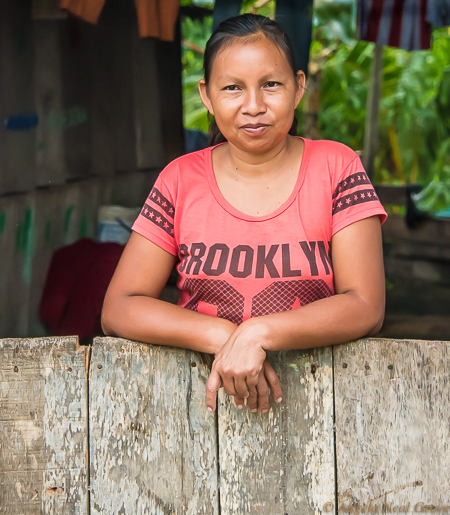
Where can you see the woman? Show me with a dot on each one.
(277, 238)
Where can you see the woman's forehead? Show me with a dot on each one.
(245, 53)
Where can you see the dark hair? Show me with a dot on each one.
(244, 26)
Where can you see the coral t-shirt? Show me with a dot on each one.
(238, 266)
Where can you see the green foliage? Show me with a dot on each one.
(198, 33)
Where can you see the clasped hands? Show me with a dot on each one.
(242, 368)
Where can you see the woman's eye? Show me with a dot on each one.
(272, 84)
(231, 88)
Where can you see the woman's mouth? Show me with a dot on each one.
(254, 128)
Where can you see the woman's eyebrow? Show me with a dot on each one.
(230, 78)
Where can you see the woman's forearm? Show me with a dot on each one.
(154, 321)
(337, 319)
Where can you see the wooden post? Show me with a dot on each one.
(373, 103)
(43, 427)
(281, 461)
(152, 440)
(392, 428)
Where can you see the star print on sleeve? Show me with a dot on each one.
(360, 197)
(352, 181)
(157, 218)
(163, 202)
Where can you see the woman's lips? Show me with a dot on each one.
(254, 128)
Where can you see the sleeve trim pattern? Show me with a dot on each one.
(359, 197)
(351, 182)
(157, 217)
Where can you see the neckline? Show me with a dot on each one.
(243, 216)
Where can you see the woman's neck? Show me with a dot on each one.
(256, 166)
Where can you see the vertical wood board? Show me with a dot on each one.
(17, 147)
(76, 85)
(50, 153)
(42, 427)
(392, 422)
(16, 250)
(147, 101)
(281, 461)
(152, 440)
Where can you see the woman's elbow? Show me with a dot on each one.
(375, 320)
(107, 320)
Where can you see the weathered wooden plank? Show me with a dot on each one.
(152, 441)
(282, 461)
(51, 166)
(112, 120)
(42, 427)
(392, 423)
(147, 101)
(16, 248)
(17, 142)
(76, 82)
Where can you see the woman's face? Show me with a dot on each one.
(252, 94)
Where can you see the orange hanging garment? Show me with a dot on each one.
(87, 10)
(157, 18)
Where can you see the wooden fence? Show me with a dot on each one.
(121, 428)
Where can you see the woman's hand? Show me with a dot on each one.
(259, 396)
(238, 364)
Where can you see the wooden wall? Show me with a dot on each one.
(417, 263)
(110, 117)
(122, 428)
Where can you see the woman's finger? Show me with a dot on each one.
(263, 394)
(241, 387)
(239, 401)
(252, 399)
(212, 386)
(273, 381)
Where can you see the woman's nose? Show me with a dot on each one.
(254, 102)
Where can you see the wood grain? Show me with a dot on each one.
(281, 462)
(42, 427)
(152, 441)
(392, 422)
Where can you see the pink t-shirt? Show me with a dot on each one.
(238, 266)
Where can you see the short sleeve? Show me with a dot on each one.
(156, 219)
(354, 197)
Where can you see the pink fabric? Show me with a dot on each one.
(238, 266)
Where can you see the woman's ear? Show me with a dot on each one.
(301, 81)
(203, 90)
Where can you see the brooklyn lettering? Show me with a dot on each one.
(243, 260)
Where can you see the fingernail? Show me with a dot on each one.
(279, 399)
(240, 406)
(210, 409)
(264, 411)
(247, 394)
(253, 410)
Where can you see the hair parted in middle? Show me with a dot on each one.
(228, 32)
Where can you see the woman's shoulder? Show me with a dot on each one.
(333, 158)
(332, 149)
(187, 164)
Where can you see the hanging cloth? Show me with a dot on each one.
(438, 13)
(294, 16)
(157, 18)
(87, 10)
(397, 23)
(224, 9)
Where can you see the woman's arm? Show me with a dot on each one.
(131, 308)
(356, 310)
